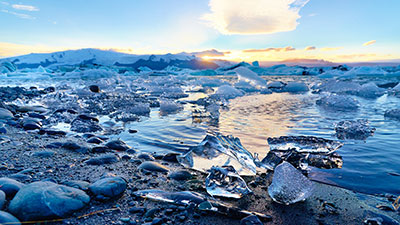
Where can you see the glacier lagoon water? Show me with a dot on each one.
(370, 166)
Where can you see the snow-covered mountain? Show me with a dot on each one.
(109, 58)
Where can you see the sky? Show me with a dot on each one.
(264, 30)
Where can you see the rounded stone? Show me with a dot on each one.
(153, 167)
(180, 175)
(2, 199)
(10, 186)
(7, 218)
(47, 200)
(108, 188)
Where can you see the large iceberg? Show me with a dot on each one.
(245, 74)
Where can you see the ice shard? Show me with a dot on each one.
(225, 182)
(303, 144)
(354, 129)
(289, 185)
(219, 150)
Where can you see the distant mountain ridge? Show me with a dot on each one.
(109, 58)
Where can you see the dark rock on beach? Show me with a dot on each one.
(107, 188)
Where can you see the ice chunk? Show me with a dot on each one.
(245, 86)
(245, 74)
(393, 113)
(335, 86)
(209, 82)
(226, 182)
(370, 90)
(227, 92)
(303, 144)
(354, 129)
(169, 107)
(289, 185)
(7, 67)
(295, 87)
(219, 151)
(276, 84)
(338, 102)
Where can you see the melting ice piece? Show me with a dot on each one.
(370, 90)
(202, 203)
(227, 92)
(289, 185)
(245, 74)
(393, 113)
(354, 129)
(303, 144)
(180, 198)
(219, 151)
(226, 182)
(338, 102)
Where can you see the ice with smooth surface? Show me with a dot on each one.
(219, 150)
(245, 74)
(179, 198)
(295, 87)
(303, 144)
(354, 129)
(225, 182)
(370, 90)
(228, 92)
(289, 185)
(168, 107)
(338, 102)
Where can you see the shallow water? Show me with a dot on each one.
(369, 166)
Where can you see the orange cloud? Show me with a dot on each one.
(285, 49)
(331, 49)
(369, 43)
(309, 48)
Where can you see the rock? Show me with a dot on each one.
(180, 175)
(100, 149)
(146, 157)
(5, 114)
(43, 154)
(36, 115)
(95, 140)
(52, 132)
(108, 188)
(289, 185)
(31, 124)
(10, 187)
(7, 218)
(153, 167)
(74, 147)
(79, 184)
(46, 200)
(118, 145)
(251, 220)
(94, 88)
(3, 130)
(104, 159)
(2, 199)
(85, 124)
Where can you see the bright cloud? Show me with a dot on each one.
(20, 15)
(285, 49)
(327, 49)
(25, 7)
(254, 16)
(369, 43)
(309, 48)
(11, 49)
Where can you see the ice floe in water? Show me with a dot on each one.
(370, 90)
(295, 87)
(393, 113)
(219, 151)
(169, 107)
(354, 129)
(338, 102)
(225, 182)
(303, 144)
(227, 92)
(289, 185)
(245, 74)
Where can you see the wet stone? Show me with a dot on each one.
(251, 220)
(104, 159)
(46, 200)
(94, 88)
(107, 188)
(79, 184)
(95, 140)
(153, 167)
(180, 175)
(2, 199)
(10, 187)
(31, 124)
(5, 114)
(146, 157)
(118, 145)
(43, 154)
(7, 218)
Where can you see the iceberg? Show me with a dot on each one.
(225, 182)
(295, 87)
(354, 129)
(245, 74)
(227, 92)
(219, 151)
(338, 102)
(370, 90)
(303, 144)
(289, 185)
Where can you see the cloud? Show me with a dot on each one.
(20, 15)
(25, 7)
(330, 49)
(254, 16)
(5, 3)
(285, 49)
(11, 49)
(309, 48)
(369, 43)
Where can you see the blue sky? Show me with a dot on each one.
(336, 29)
